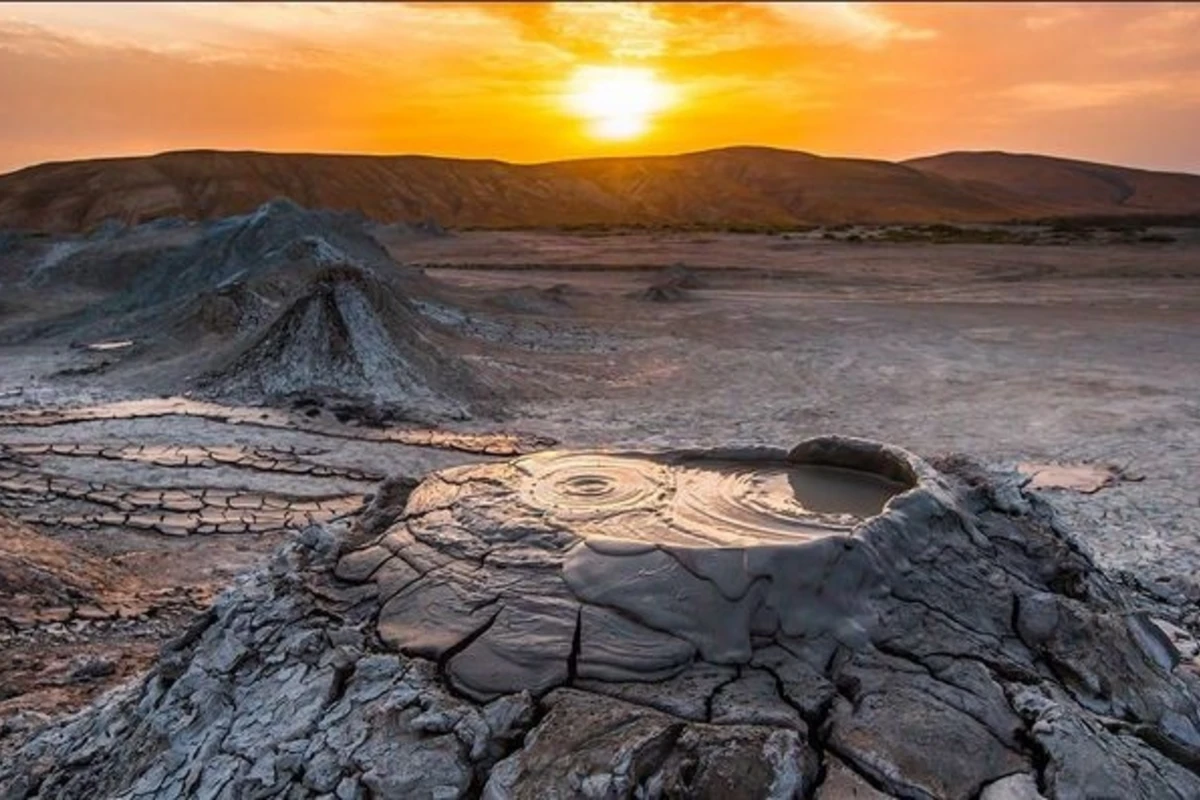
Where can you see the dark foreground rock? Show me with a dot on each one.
(841, 620)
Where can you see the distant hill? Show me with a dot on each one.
(1072, 187)
(752, 186)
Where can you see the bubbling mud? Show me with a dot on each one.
(702, 502)
(591, 487)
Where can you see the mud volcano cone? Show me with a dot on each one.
(280, 240)
(836, 620)
(348, 334)
(844, 597)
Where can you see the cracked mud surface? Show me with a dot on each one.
(122, 522)
(956, 645)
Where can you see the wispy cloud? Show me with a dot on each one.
(626, 30)
(1051, 95)
(277, 33)
(1045, 16)
(857, 24)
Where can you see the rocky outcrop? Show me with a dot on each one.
(841, 619)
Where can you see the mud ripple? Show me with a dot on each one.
(700, 502)
(586, 486)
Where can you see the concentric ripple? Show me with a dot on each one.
(700, 502)
(738, 503)
(583, 486)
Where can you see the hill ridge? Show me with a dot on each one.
(740, 185)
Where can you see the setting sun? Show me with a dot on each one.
(617, 102)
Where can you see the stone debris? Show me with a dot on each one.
(674, 285)
(591, 625)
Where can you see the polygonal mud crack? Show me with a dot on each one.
(652, 559)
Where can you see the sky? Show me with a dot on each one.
(1111, 82)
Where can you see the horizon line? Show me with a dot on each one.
(580, 159)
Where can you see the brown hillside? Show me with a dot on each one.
(743, 185)
(1073, 187)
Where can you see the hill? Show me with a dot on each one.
(1073, 188)
(747, 186)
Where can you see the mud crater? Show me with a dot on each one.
(701, 501)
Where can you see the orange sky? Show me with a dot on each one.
(1107, 82)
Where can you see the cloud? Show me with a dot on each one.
(1168, 21)
(278, 34)
(857, 24)
(626, 30)
(1158, 34)
(1051, 95)
(1049, 16)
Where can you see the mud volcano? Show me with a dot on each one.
(687, 554)
(837, 620)
(843, 588)
(350, 334)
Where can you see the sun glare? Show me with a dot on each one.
(617, 102)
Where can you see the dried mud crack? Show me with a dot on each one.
(118, 528)
(595, 625)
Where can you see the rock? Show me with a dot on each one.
(843, 783)
(1020, 786)
(672, 286)
(1180, 639)
(22, 722)
(91, 668)
(587, 747)
(839, 620)
(1086, 759)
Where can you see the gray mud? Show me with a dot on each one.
(456, 643)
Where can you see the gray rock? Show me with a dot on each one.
(614, 749)
(1020, 786)
(843, 783)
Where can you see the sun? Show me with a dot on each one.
(617, 102)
